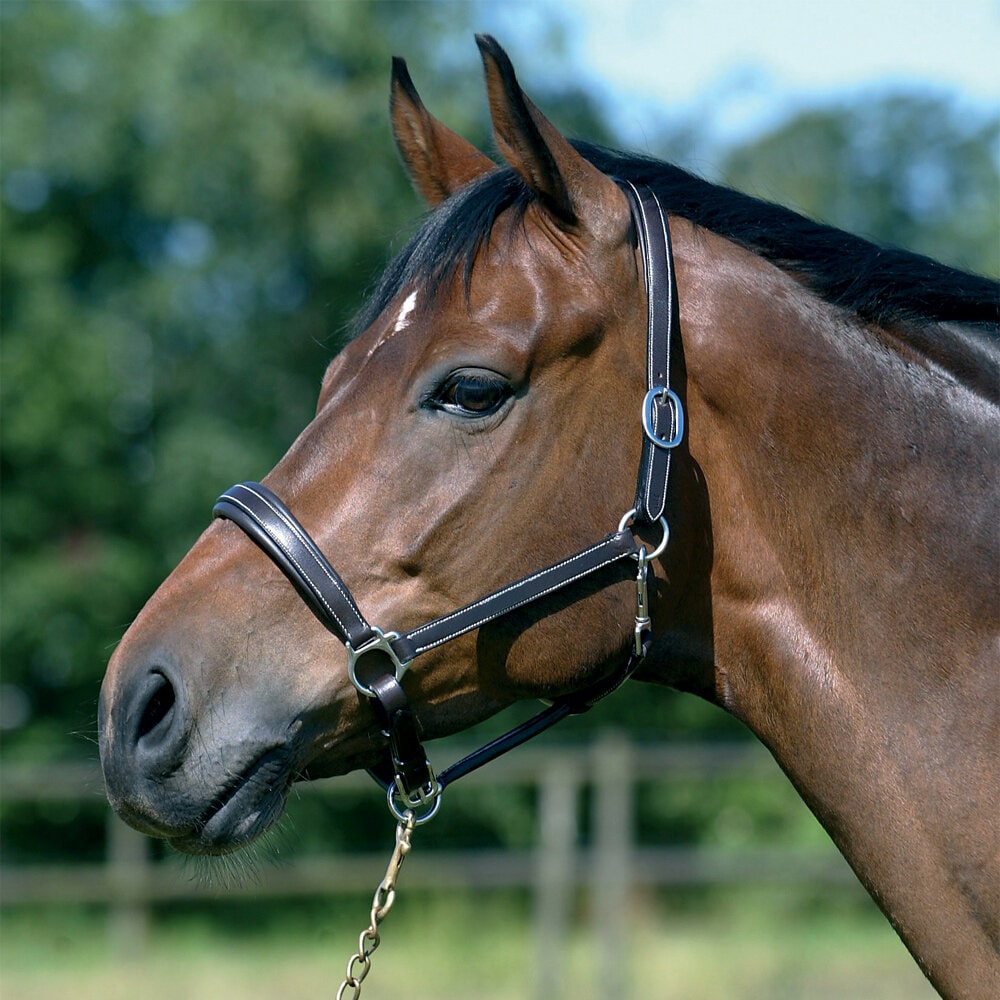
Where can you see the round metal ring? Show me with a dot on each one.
(659, 550)
(400, 806)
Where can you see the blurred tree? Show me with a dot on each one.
(918, 172)
(194, 199)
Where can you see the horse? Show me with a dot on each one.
(822, 562)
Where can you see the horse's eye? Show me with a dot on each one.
(472, 394)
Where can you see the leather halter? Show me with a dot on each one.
(378, 660)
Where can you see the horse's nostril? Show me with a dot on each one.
(158, 709)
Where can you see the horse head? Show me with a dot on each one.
(482, 424)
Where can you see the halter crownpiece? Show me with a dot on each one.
(377, 660)
(662, 413)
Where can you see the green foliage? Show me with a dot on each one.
(195, 197)
(918, 172)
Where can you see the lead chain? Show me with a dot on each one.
(385, 895)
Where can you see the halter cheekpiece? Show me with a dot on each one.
(377, 660)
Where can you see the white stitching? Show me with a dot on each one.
(527, 600)
(557, 585)
(309, 544)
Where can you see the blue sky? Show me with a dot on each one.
(737, 66)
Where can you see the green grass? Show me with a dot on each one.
(743, 945)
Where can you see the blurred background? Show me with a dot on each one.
(194, 198)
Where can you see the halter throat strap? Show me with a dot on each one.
(378, 660)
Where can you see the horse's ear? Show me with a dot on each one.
(438, 160)
(573, 190)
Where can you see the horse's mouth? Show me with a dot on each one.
(246, 808)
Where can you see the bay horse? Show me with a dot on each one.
(830, 577)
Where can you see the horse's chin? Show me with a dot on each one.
(254, 803)
(242, 811)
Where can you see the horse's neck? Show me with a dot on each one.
(850, 481)
(853, 519)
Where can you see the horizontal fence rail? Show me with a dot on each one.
(611, 864)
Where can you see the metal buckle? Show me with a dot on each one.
(378, 643)
(649, 417)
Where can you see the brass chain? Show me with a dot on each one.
(385, 895)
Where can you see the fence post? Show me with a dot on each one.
(558, 794)
(612, 871)
(128, 870)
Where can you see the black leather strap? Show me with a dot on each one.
(410, 770)
(575, 704)
(661, 324)
(609, 550)
(266, 519)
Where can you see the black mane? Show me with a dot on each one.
(883, 285)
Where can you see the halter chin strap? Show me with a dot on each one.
(378, 660)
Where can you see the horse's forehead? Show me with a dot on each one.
(397, 319)
(500, 284)
(406, 311)
(519, 275)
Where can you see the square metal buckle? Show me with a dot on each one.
(380, 642)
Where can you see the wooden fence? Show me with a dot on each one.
(611, 864)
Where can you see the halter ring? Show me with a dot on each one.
(428, 797)
(659, 550)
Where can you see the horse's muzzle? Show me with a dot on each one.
(164, 777)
